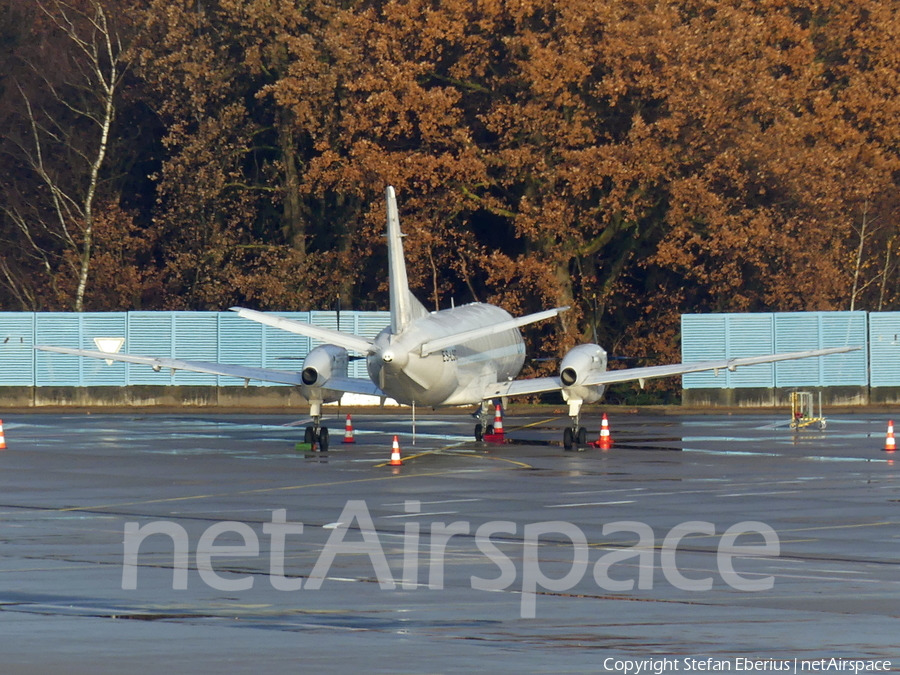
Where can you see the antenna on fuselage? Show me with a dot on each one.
(337, 311)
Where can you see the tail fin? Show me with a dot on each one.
(404, 305)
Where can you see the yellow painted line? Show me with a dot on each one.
(440, 451)
(406, 457)
(501, 459)
(534, 424)
(53, 569)
(838, 527)
(800, 529)
(257, 491)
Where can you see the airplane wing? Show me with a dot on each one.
(243, 372)
(650, 372)
(334, 337)
(345, 384)
(465, 336)
(535, 385)
(542, 384)
(353, 385)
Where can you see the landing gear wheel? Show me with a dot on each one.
(568, 439)
(581, 438)
(490, 429)
(479, 435)
(309, 437)
(323, 439)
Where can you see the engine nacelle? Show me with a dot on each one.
(320, 365)
(576, 367)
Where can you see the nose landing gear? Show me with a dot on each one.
(316, 436)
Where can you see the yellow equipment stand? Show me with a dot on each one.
(802, 413)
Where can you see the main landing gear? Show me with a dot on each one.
(575, 436)
(483, 415)
(317, 437)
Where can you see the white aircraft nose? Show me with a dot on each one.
(387, 356)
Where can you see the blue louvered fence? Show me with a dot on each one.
(222, 337)
(707, 337)
(227, 338)
(884, 349)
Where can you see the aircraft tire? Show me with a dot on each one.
(490, 429)
(323, 439)
(581, 438)
(568, 439)
(309, 437)
(479, 435)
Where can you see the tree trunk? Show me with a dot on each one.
(293, 224)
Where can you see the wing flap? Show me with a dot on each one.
(354, 385)
(535, 385)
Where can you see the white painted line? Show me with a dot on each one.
(443, 501)
(563, 506)
(419, 515)
(757, 494)
(597, 492)
(805, 576)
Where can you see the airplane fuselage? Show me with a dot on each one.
(457, 375)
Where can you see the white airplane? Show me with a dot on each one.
(460, 356)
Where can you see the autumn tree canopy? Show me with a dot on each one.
(635, 160)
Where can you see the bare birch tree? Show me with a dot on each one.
(65, 144)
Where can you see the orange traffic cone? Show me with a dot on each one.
(498, 421)
(348, 431)
(497, 436)
(889, 443)
(605, 439)
(2, 437)
(395, 453)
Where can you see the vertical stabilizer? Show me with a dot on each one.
(404, 306)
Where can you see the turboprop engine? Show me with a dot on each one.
(576, 367)
(320, 365)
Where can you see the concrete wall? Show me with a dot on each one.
(884, 395)
(770, 397)
(286, 398)
(150, 396)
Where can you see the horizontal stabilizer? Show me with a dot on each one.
(465, 336)
(326, 335)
